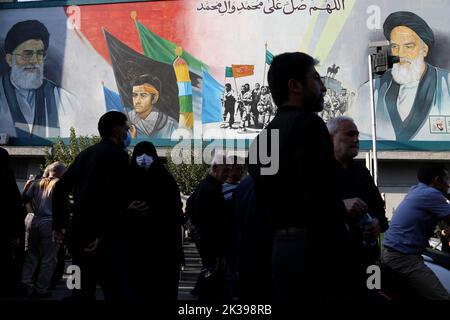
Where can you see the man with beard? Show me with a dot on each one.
(361, 197)
(301, 199)
(214, 229)
(30, 105)
(412, 96)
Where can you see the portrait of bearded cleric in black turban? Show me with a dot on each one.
(410, 95)
(31, 106)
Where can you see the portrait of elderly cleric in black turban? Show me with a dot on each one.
(413, 93)
(30, 105)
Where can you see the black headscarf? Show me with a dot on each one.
(149, 149)
(160, 224)
(154, 183)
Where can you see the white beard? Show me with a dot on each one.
(27, 80)
(408, 73)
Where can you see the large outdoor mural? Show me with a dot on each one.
(199, 68)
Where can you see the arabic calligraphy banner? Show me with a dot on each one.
(271, 6)
(180, 52)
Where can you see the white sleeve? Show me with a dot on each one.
(67, 105)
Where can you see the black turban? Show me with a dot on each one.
(412, 21)
(23, 31)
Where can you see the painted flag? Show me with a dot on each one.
(242, 70)
(128, 64)
(211, 103)
(269, 57)
(228, 72)
(181, 68)
(112, 100)
(163, 50)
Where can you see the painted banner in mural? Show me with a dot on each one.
(199, 68)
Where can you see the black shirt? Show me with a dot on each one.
(356, 182)
(98, 179)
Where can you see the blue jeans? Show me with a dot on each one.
(41, 248)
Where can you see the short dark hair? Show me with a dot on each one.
(109, 121)
(286, 66)
(147, 79)
(428, 171)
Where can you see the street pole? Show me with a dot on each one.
(374, 126)
(264, 74)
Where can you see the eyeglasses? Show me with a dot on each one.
(27, 55)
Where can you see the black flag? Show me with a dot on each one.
(129, 65)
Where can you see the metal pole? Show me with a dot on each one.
(369, 161)
(264, 74)
(374, 126)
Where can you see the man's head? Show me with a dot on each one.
(345, 136)
(410, 38)
(219, 169)
(26, 44)
(113, 125)
(145, 95)
(257, 86)
(236, 171)
(293, 80)
(434, 175)
(247, 87)
(263, 90)
(227, 87)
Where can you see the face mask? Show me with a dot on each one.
(127, 140)
(144, 161)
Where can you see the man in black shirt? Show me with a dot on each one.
(301, 198)
(360, 196)
(98, 178)
(214, 230)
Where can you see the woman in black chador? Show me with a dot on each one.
(154, 233)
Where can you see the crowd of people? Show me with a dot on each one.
(255, 108)
(309, 231)
(120, 207)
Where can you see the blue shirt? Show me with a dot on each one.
(415, 219)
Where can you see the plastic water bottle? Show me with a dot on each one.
(365, 222)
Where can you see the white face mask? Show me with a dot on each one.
(144, 161)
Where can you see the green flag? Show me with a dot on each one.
(269, 57)
(228, 72)
(163, 50)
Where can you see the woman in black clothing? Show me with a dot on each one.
(155, 230)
